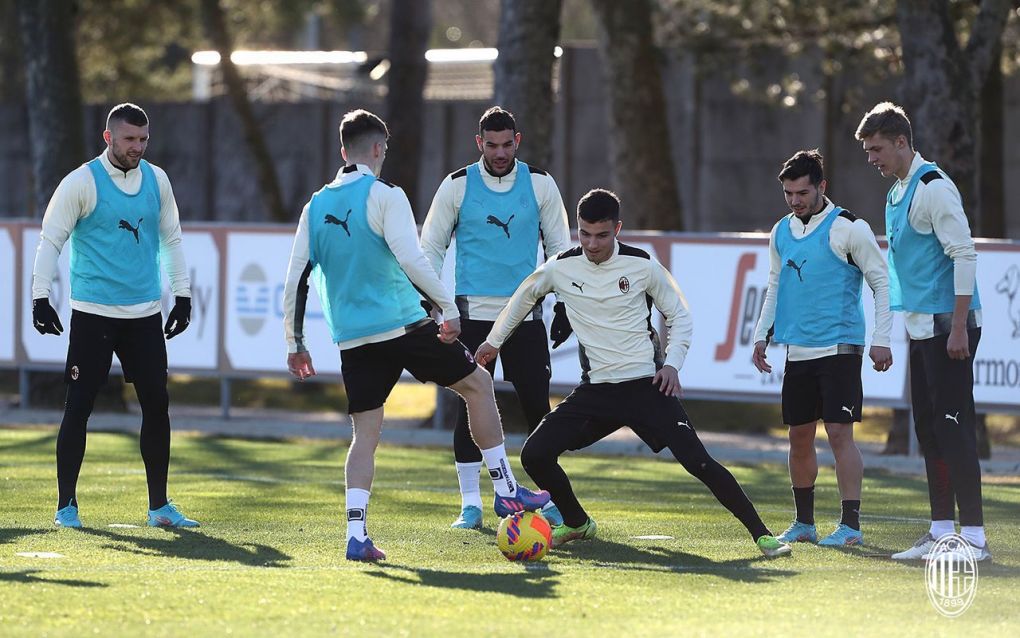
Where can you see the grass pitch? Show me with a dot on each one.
(268, 559)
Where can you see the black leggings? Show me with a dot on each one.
(140, 346)
(593, 411)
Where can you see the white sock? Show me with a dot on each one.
(502, 476)
(468, 475)
(357, 513)
(974, 535)
(941, 528)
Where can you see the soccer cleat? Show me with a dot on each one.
(470, 518)
(170, 516)
(364, 550)
(921, 548)
(552, 514)
(799, 532)
(564, 533)
(67, 516)
(976, 553)
(843, 536)
(772, 547)
(523, 500)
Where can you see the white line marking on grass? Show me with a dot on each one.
(123, 525)
(653, 537)
(40, 555)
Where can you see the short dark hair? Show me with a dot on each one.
(803, 163)
(129, 113)
(888, 119)
(359, 124)
(497, 118)
(598, 205)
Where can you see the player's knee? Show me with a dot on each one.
(535, 455)
(840, 435)
(478, 384)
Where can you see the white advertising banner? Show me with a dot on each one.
(256, 271)
(198, 346)
(8, 283)
(44, 348)
(725, 284)
(997, 361)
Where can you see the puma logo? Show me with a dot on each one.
(340, 222)
(579, 286)
(683, 424)
(492, 219)
(790, 263)
(849, 411)
(954, 418)
(126, 225)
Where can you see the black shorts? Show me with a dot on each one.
(593, 411)
(525, 354)
(139, 344)
(828, 388)
(370, 371)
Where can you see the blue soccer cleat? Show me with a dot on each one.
(170, 516)
(470, 518)
(524, 500)
(552, 514)
(365, 550)
(843, 536)
(67, 516)
(799, 532)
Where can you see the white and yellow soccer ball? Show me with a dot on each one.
(524, 536)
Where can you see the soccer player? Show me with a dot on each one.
(932, 280)
(818, 254)
(500, 209)
(609, 289)
(120, 214)
(357, 236)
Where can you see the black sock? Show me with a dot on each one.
(851, 514)
(804, 500)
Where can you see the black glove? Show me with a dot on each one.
(561, 329)
(45, 318)
(179, 318)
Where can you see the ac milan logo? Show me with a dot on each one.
(624, 285)
(74, 373)
(467, 355)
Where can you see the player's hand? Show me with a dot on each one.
(668, 380)
(300, 365)
(882, 357)
(449, 330)
(45, 318)
(758, 358)
(560, 329)
(958, 345)
(485, 353)
(179, 318)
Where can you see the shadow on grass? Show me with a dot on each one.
(608, 554)
(11, 534)
(45, 442)
(193, 545)
(28, 577)
(534, 581)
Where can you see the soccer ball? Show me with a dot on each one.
(524, 536)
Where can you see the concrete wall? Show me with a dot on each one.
(727, 150)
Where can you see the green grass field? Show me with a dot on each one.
(268, 559)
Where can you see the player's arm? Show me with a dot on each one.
(552, 215)
(73, 198)
(942, 201)
(437, 230)
(864, 251)
(172, 257)
(295, 300)
(669, 299)
(767, 318)
(394, 221)
(534, 287)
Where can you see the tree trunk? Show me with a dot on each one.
(215, 24)
(639, 140)
(528, 33)
(992, 176)
(54, 93)
(410, 25)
